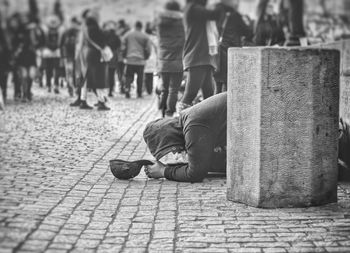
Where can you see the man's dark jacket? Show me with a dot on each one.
(201, 131)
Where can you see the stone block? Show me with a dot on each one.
(282, 123)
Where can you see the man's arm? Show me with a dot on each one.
(199, 146)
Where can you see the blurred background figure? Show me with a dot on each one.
(268, 29)
(136, 48)
(97, 69)
(200, 51)
(171, 36)
(81, 65)
(113, 41)
(51, 53)
(5, 56)
(24, 56)
(69, 41)
(232, 32)
(151, 63)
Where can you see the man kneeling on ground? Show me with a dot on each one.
(189, 146)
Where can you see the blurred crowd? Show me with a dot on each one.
(184, 48)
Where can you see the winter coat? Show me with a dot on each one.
(136, 48)
(113, 41)
(97, 71)
(200, 131)
(231, 29)
(171, 35)
(196, 49)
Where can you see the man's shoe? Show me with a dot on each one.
(102, 107)
(76, 103)
(85, 106)
(127, 95)
(56, 90)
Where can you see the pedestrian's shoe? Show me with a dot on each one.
(56, 90)
(127, 94)
(76, 103)
(125, 170)
(102, 107)
(85, 106)
(49, 89)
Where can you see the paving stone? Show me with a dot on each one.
(58, 195)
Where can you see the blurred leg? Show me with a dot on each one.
(174, 85)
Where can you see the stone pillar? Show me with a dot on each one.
(282, 125)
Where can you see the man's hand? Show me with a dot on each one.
(155, 171)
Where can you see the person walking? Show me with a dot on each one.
(113, 41)
(151, 63)
(122, 29)
(97, 66)
(24, 58)
(200, 50)
(171, 36)
(232, 31)
(81, 50)
(268, 30)
(51, 54)
(5, 56)
(69, 42)
(136, 48)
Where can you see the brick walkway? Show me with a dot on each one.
(58, 195)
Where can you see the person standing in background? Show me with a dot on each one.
(171, 36)
(97, 69)
(232, 30)
(122, 29)
(81, 65)
(268, 29)
(69, 42)
(200, 51)
(53, 33)
(151, 63)
(113, 41)
(136, 48)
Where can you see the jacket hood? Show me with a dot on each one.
(163, 136)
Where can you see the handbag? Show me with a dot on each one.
(106, 52)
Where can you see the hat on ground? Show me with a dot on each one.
(125, 170)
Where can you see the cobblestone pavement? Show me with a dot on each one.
(58, 195)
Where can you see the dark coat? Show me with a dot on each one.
(114, 42)
(24, 47)
(171, 35)
(196, 49)
(97, 71)
(231, 29)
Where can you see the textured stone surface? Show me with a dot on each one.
(57, 193)
(283, 126)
